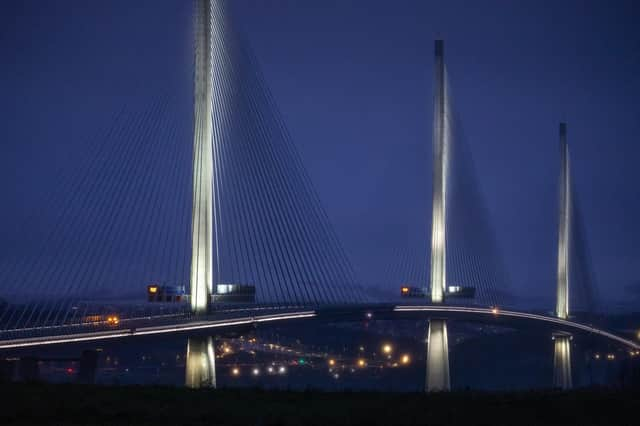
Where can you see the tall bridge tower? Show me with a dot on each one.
(437, 378)
(201, 282)
(200, 363)
(562, 342)
(564, 227)
(438, 275)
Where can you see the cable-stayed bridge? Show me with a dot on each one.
(221, 210)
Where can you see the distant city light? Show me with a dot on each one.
(405, 359)
(611, 357)
(597, 356)
(369, 315)
(270, 369)
(235, 371)
(256, 372)
(301, 361)
(332, 362)
(282, 369)
(362, 363)
(387, 348)
(494, 311)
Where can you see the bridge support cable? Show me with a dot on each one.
(44, 275)
(39, 274)
(83, 267)
(88, 158)
(584, 296)
(139, 198)
(271, 227)
(10, 271)
(100, 256)
(308, 206)
(266, 204)
(472, 250)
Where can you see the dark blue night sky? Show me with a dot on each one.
(353, 80)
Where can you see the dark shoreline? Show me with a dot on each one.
(48, 404)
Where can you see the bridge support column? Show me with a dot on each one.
(88, 367)
(200, 369)
(437, 357)
(562, 362)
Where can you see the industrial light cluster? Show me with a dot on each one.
(362, 362)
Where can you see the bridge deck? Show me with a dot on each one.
(350, 313)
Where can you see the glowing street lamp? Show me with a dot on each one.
(387, 349)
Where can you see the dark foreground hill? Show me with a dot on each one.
(41, 404)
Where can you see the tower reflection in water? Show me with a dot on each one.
(562, 362)
(200, 371)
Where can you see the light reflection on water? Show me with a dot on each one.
(200, 368)
(329, 358)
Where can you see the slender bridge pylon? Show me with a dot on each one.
(562, 377)
(437, 340)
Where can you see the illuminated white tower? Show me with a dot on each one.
(564, 227)
(437, 378)
(438, 275)
(562, 342)
(203, 199)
